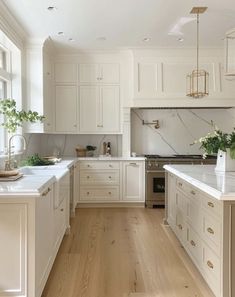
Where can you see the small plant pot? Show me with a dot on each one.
(224, 162)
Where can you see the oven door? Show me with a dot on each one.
(155, 188)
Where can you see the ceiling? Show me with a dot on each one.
(112, 24)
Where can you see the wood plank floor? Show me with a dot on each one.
(122, 252)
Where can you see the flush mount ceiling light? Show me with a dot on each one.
(51, 8)
(146, 39)
(197, 81)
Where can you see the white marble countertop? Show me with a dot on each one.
(220, 185)
(111, 158)
(28, 185)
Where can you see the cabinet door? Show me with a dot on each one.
(48, 103)
(109, 73)
(133, 181)
(65, 73)
(43, 238)
(13, 240)
(89, 97)
(66, 108)
(108, 120)
(89, 73)
(171, 199)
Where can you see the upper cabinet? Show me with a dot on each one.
(66, 73)
(66, 109)
(39, 86)
(161, 81)
(99, 109)
(105, 73)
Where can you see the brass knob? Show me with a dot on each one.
(88, 193)
(180, 184)
(211, 231)
(110, 193)
(88, 177)
(62, 209)
(210, 264)
(180, 226)
(193, 193)
(110, 177)
(210, 204)
(192, 243)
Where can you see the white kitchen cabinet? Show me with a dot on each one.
(13, 230)
(44, 225)
(105, 73)
(66, 109)
(39, 90)
(133, 181)
(203, 225)
(66, 73)
(99, 181)
(99, 109)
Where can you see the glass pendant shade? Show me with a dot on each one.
(198, 84)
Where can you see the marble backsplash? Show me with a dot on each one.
(178, 129)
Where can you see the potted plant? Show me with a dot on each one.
(222, 144)
(13, 119)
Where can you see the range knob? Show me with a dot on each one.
(156, 165)
(149, 164)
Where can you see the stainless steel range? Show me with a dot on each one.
(155, 174)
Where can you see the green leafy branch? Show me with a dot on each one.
(14, 118)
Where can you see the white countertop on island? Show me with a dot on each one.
(220, 185)
(111, 158)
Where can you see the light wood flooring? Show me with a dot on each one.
(122, 252)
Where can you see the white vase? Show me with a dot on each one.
(224, 161)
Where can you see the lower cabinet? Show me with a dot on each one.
(31, 231)
(203, 225)
(111, 181)
(133, 181)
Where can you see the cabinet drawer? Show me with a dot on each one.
(194, 244)
(99, 194)
(212, 269)
(211, 230)
(99, 165)
(181, 202)
(189, 190)
(212, 205)
(106, 177)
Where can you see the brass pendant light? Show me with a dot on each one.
(198, 80)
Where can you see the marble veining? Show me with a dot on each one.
(178, 129)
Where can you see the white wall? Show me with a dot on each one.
(178, 129)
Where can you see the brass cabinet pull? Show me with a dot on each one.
(46, 192)
(210, 230)
(180, 226)
(180, 184)
(110, 165)
(110, 193)
(193, 193)
(61, 209)
(192, 243)
(88, 193)
(88, 165)
(210, 264)
(210, 204)
(134, 164)
(110, 177)
(88, 176)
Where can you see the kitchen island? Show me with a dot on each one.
(200, 209)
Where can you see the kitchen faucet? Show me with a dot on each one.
(8, 164)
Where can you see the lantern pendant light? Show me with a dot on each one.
(198, 80)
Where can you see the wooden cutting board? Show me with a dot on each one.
(11, 178)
